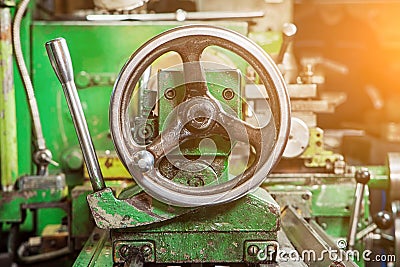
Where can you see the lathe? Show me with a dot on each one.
(184, 134)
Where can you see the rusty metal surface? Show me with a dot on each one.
(45, 182)
(8, 128)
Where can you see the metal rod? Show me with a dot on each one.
(362, 177)
(288, 32)
(8, 127)
(355, 214)
(180, 15)
(60, 59)
(310, 238)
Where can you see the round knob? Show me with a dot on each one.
(383, 220)
(363, 176)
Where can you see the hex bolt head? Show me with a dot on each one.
(146, 250)
(252, 250)
(124, 251)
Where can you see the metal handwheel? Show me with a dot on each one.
(200, 115)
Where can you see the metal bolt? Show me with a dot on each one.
(170, 93)
(195, 181)
(145, 131)
(200, 114)
(144, 160)
(252, 250)
(146, 250)
(228, 94)
(124, 251)
(305, 196)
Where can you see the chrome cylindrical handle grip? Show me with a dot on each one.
(60, 59)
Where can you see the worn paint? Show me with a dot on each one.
(112, 213)
(8, 129)
(213, 234)
(10, 202)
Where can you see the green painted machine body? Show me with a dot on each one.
(208, 234)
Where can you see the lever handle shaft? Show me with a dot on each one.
(60, 59)
(288, 32)
(362, 178)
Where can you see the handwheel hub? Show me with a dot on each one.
(200, 114)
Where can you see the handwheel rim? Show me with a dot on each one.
(168, 191)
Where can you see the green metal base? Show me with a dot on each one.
(230, 233)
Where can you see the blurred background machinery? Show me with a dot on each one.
(335, 187)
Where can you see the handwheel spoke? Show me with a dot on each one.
(195, 79)
(168, 140)
(242, 131)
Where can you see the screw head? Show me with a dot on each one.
(144, 132)
(252, 250)
(170, 93)
(124, 251)
(228, 94)
(146, 250)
